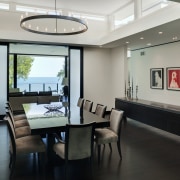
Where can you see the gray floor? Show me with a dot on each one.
(148, 154)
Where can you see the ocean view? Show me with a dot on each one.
(40, 84)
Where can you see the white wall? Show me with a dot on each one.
(103, 75)
(155, 57)
(155, 19)
(118, 72)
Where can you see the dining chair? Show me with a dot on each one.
(45, 93)
(18, 123)
(17, 116)
(32, 93)
(110, 134)
(87, 105)
(80, 102)
(24, 145)
(43, 100)
(100, 110)
(20, 131)
(78, 144)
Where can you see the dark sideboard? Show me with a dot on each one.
(159, 115)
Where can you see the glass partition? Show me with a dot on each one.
(3, 78)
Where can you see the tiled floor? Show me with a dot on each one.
(148, 154)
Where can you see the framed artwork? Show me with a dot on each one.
(173, 78)
(156, 78)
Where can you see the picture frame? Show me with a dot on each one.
(157, 78)
(173, 78)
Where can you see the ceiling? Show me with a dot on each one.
(166, 33)
(106, 7)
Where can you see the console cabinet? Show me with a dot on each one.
(159, 115)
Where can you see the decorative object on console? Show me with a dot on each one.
(173, 78)
(136, 92)
(129, 88)
(132, 89)
(125, 89)
(157, 78)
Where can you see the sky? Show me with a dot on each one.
(46, 66)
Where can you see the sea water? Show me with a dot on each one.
(40, 84)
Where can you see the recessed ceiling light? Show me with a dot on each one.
(127, 42)
(149, 44)
(141, 37)
(160, 32)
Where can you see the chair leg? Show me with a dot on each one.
(66, 169)
(13, 162)
(10, 161)
(110, 146)
(91, 166)
(119, 149)
(99, 153)
(39, 161)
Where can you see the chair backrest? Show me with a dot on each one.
(79, 141)
(116, 117)
(15, 94)
(12, 135)
(9, 106)
(100, 110)
(80, 102)
(10, 116)
(33, 93)
(43, 100)
(45, 93)
(87, 105)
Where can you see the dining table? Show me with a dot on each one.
(53, 117)
(50, 119)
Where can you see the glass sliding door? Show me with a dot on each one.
(3, 77)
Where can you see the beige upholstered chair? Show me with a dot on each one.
(78, 144)
(80, 102)
(32, 93)
(87, 105)
(100, 110)
(110, 134)
(45, 93)
(43, 100)
(18, 116)
(20, 131)
(24, 145)
(19, 122)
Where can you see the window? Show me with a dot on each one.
(37, 67)
(36, 73)
(125, 15)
